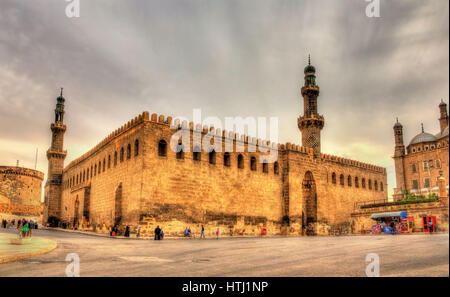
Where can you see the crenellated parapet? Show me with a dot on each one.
(353, 163)
(14, 170)
(137, 121)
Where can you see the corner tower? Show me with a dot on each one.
(311, 123)
(55, 156)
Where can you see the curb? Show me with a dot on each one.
(29, 255)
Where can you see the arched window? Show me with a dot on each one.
(376, 185)
(212, 157)
(240, 161)
(356, 182)
(128, 151)
(265, 166)
(84, 175)
(349, 181)
(276, 169)
(180, 151)
(121, 154)
(162, 148)
(99, 167)
(87, 174)
(95, 170)
(333, 178)
(92, 170)
(136, 147)
(370, 184)
(381, 187)
(109, 161)
(77, 179)
(226, 159)
(253, 163)
(341, 179)
(197, 153)
(115, 159)
(104, 164)
(363, 183)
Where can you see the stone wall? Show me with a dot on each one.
(20, 190)
(177, 191)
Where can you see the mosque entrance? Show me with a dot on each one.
(309, 215)
(118, 206)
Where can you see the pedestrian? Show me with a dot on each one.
(138, 234)
(162, 234)
(393, 228)
(202, 234)
(157, 233)
(217, 233)
(25, 229)
(430, 226)
(127, 231)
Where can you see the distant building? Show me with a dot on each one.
(418, 166)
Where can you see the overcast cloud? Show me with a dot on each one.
(229, 58)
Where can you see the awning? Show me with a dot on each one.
(392, 214)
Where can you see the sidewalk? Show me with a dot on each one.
(12, 252)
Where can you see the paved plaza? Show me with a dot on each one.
(400, 255)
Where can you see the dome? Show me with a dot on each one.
(423, 137)
(310, 68)
(443, 134)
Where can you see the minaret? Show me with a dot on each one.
(311, 122)
(443, 120)
(55, 156)
(399, 155)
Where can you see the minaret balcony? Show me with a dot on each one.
(56, 154)
(310, 89)
(313, 120)
(58, 126)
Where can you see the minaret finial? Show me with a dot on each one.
(309, 59)
(397, 119)
(62, 91)
(423, 131)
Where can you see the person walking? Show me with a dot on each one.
(217, 233)
(430, 226)
(138, 234)
(202, 234)
(162, 234)
(127, 231)
(157, 233)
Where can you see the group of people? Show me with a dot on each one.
(188, 232)
(24, 227)
(159, 233)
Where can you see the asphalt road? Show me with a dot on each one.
(400, 255)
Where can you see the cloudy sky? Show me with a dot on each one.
(229, 58)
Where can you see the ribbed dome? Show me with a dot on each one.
(423, 137)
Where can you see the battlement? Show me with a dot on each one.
(7, 170)
(349, 162)
(138, 120)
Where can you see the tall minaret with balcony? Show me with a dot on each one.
(399, 155)
(311, 123)
(55, 156)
